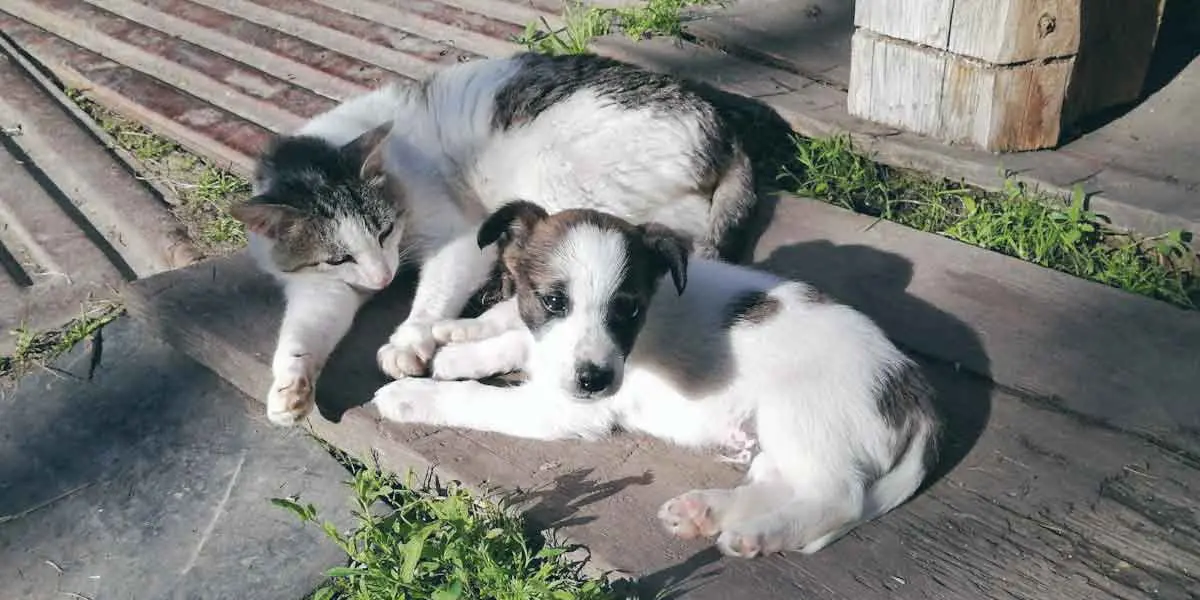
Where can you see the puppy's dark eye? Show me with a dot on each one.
(555, 302)
(341, 260)
(625, 309)
(383, 235)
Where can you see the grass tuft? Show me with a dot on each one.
(37, 348)
(583, 23)
(1053, 232)
(201, 191)
(439, 542)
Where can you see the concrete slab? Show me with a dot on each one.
(152, 480)
(1074, 497)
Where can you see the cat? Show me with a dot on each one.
(407, 172)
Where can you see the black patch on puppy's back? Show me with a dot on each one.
(751, 308)
(905, 399)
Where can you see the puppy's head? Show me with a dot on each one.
(330, 210)
(583, 282)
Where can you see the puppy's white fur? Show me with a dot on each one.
(455, 167)
(804, 387)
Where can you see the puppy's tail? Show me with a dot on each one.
(729, 217)
(894, 487)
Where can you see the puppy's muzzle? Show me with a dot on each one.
(592, 380)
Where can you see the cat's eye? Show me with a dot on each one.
(555, 302)
(341, 260)
(383, 235)
(625, 308)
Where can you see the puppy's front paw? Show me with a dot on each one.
(691, 515)
(461, 361)
(408, 351)
(408, 401)
(457, 331)
(292, 395)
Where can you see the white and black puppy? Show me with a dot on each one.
(837, 423)
(409, 172)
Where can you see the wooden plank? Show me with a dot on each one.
(1039, 500)
(896, 83)
(936, 93)
(924, 22)
(1068, 60)
(1015, 31)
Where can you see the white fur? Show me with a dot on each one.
(633, 163)
(455, 170)
(580, 337)
(805, 382)
(320, 304)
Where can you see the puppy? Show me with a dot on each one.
(406, 173)
(836, 423)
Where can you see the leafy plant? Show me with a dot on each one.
(441, 543)
(1061, 234)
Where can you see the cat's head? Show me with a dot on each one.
(329, 210)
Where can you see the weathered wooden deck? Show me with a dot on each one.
(1088, 495)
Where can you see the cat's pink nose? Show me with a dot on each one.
(381, 281)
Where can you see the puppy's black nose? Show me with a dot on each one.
(591, 378)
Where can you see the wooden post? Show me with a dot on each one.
(1005, 75)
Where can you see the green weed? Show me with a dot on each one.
(582, 24)
(201, 191)
(1046, 230)
(441, 543)
(33, 348)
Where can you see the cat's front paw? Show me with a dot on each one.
(408, 352)
(408, 401)
(457, 331)
(292, 396)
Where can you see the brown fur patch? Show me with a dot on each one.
(751, 308)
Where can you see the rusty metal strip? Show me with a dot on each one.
(399, 62)
(509, 12)
(462, 39)
(211, 90)
(207, 130)
(298, 50)
(448, 14)
(386, 36)
(39, 221)
(235, 49)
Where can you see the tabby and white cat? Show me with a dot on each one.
(410, 171)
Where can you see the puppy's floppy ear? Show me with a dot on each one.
(670, 248)
(366, 150)
(511, 221)
(265, 216)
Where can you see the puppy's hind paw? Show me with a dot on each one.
(749, 543)
(690, 515)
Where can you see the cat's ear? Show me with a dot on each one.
(670, 249)
(264, 216)
(366, 150)
(510, 222)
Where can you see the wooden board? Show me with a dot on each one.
(1041, 499)
(1000, 32)
(936, 93)
(1004, 75)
